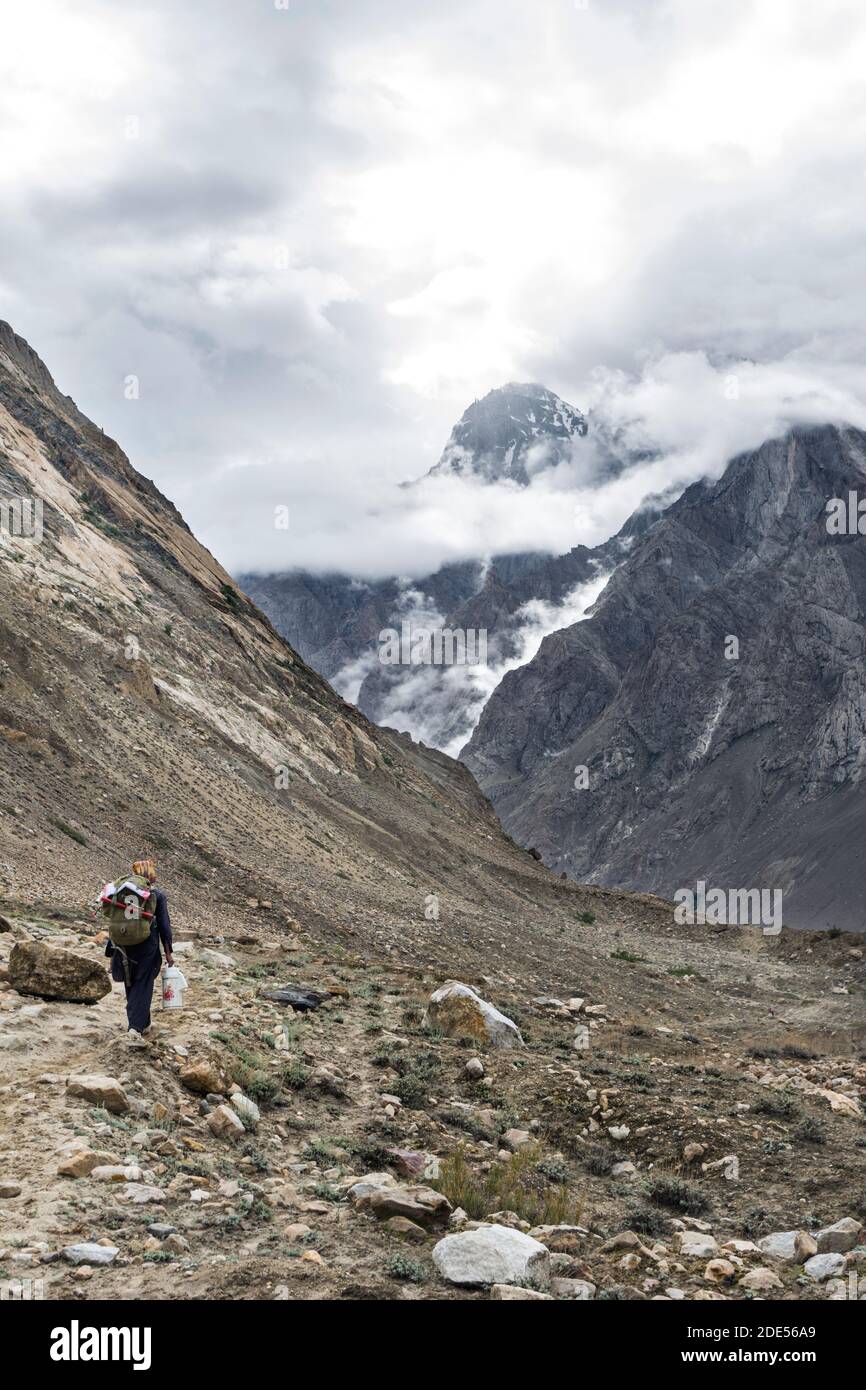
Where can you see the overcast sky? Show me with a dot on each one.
(315, 233)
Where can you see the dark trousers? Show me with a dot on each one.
(144, 966)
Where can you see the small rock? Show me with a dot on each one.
(99, 1090)
(225, 1123)
(695, 1245)
(761, 1280)
(511, 1293)
(10, 1189)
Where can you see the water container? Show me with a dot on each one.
(173, 986)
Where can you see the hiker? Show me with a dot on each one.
(137, 965)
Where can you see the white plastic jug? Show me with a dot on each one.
(173, 986)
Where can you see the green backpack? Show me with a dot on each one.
(129, 903)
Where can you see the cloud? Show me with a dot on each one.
(440, 704)
(315, 234)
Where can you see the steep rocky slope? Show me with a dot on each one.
(147, 706)
(716, 698)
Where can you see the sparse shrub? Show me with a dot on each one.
(780, 1107)
(809, 1132)
(587, 918)
(670, 1190)
(640, 1216)
(295, 1075)
(627, 956)
(403, 1267)
(597, 1160)
(554, 1170)
(516, 1185)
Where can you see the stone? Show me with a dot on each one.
(720, 1271)
(423, 1205)
(458, 1011)
(839, 1238)
(474, 1069)
(411, 1163)
(492, 1255)
(358, 1188)
(804, 1246)
(51, 973)
(139, 1194)
(782, 1245)
(225, 1123)
(514, 1139)
(79, 1164)
(247, 1109)
(116, 1172)
(623, 1170)
(821, 1267)
(741, 1247)
(560, 1240)
(695, 1245)
(578, 1290)
(298, 1230)
(203, 1076)
(406, 1230)
(505, 1218)
(176, 1243)
(9, 1189)
(692, 1152)
(761, 1280)
(99, 1090)
(89, 1253)
(512, 1293)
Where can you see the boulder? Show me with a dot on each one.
(839, 1238)
(460, 1012)
(822, 1267)
(246, 1109)
(782, 1245)
(422, 1205)
(225, 1123)
(99, 1090)
(89, 1253)
(51, 973)
(492, 1255)
(82, 1162)
(203, 1076)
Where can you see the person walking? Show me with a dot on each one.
(137, 966)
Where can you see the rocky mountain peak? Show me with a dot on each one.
(513, 432)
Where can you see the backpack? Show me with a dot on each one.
(129, 903)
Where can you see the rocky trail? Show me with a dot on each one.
(254, 1152)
